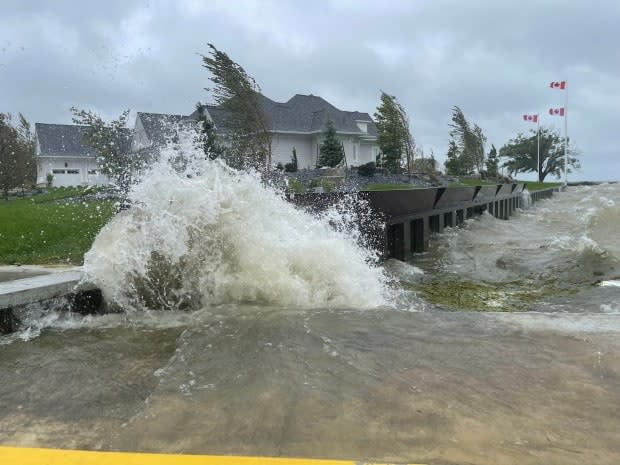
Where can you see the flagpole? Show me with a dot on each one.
(566, 135)
(538, 148)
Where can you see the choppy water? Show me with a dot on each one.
(292, 342)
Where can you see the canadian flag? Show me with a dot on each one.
(556, 111)
(558, 85)
(530, 118)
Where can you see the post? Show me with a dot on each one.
(566, 135)
(538, 148)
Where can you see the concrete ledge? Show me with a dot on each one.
(37, 288)
(83, 298)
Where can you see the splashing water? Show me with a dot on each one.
(200, 233)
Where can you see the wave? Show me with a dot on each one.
(209, 235)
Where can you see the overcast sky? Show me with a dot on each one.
(494, 59)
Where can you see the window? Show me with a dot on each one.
(73, 171)
(93, 172)
(58, 171)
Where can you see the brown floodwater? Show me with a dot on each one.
(434, 387)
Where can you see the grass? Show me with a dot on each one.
(537, 186)
(388, 187)
(44, 229)
(531, 185)
(472, 182)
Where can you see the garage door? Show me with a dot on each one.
(66, 177)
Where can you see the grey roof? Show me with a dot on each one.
(160, 127)
(65, 140)
(62, 139)
(302, 113)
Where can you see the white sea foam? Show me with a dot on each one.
(206, 235)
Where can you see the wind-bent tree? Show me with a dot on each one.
(469, 141)
(331, 152)
(238, 96)
(493, 162)
(393, 135)
(521, 154)
(17, 157)
(112, 142)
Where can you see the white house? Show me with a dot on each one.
(62, 153)
(300, 123)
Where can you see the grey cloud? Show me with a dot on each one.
(494, 59)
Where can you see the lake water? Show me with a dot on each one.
(252, 328)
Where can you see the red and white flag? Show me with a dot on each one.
(556, 111)
(558, 85)
(531, 118)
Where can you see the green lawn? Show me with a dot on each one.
(537, 186)
(472, 182)
(388, 187)
(45, 230)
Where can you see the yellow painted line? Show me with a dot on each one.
(33, 456)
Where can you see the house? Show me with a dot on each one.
(300, 123)
(62, 153)
(152, 130)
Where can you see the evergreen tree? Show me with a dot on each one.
(331, 151)
(207, 137)
(492, 163)
(292, 166)
(238, 96)
(393, 135)
(453, 163)
(521, 154)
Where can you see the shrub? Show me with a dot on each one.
(367, 169)
(327, 186)
(295, 185)
(292, 166)
(50, 179)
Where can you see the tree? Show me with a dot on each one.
(238, 94)
(453, 163)
(469, 141)
(393, 135)
(17, 157)
(112, 142)
(207, 137)
(292, 166)
(331, 151)
(427, 165)
(521, 154)
(492, 163)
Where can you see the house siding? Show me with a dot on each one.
(64, 171)
(282, 149)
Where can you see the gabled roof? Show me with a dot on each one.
(160, 127)
(62, 139)
(65, 140)
(301, 113)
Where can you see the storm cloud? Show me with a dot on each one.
(493, 59)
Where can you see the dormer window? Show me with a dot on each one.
(362, 125)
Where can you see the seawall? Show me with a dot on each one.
(407, 218)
